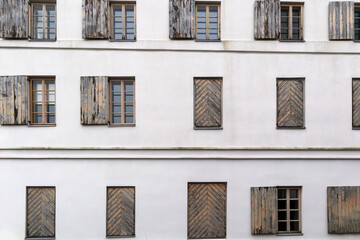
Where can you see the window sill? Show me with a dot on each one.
(133, 236)
(41, 40)
(122, 125)
(200, 40)
(290, 128)
(39, 125)
(120, 40)
(208, 128)
(302, 41)
(289, 234)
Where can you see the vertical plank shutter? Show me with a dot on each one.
(341, 20)
(343, 210)
(208, 103)
(120, 211)
(15, 19)
(95, 19)
(263, 210)
(40, 212)
(267, 19)
(14, 100)
(1, 18)
(207, 210)
(356, 103)
(94, 100)
(182, 19)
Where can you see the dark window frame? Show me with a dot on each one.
(290, 21)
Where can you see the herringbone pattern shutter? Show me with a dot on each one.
(40, 212)
(267, 19)
(94, 100)
(263, 210)
(207, 210)
(182, 19)
(15, 19)
(290, 101)
(356, 103)
(343, 210)
(208, 105)
(95, 19)
(120, 211)
(341, 20)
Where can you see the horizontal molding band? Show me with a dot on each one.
(184, 148)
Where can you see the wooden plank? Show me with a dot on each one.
(120, 212)
(356, 103)
(341, 20)
(15, 19)
(267, 19)
(206, 210)
(95, 19)
(1, 18)
(263, 210)
(182, 19)
(343, 210)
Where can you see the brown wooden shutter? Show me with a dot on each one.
(356, 103)
(182, 19)
(290, 103)
(206, 210)
(267, 19)
(263, 210)
(95, 19)
(343, 210)
(94, 100)
(341, 20)
(120, 212)
(14, 100)
(40, 212)
(208, 102)
(15, 19)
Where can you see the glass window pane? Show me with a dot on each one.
(130, 31)
(37, 118)
(130, 25)
(38, 9)
(357, 12)
(201, 20)
(118, 25)
(201, 25)
(294, 204)
(118, 36)
(50, 107)
(285, 11)
(296, 11)
(294, 226)
(49, 85)
(51, 25)
(282, 204)
(116, 97)
(50, 96)
(293, 193)
(37, 96)
(130, 36)
(50, 10)
(294, 215)
(213, 31)
(129, 11)
(213, 20)
(50, 118)
(116, 108)
(129, 96)
(117, 10)
(213, 25)
(129, 118)
(116, 86)
(116, 118)
(118, 31)
(213, 11)
(281, 193)
(37, 85)
(213, 36)
(282, 215)
(129, 86)
(129, 107)
(201, 11)
(201, 36)
(282, 226)
(37, 107)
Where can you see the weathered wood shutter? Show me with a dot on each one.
(343, 210)
(1, 18)
(14, 100)
(206, 210)
(263, 210)
(182, 19)
(341, 20)
(95, 19)
(267, 19)
(208, 102)
(120, 212)
(40, 212)
(15, 19)
(290, 103)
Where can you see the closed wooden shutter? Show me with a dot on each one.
(267, 19)
(40, 212)
(94, 100)
(290, 103)
(263, 210)
(14, 100)
(208, 102)
(15, 19)
(356, 103)
(95, 19)
(341, 20)
(120, 211)
(206, 210)
(182, 19)
(1, 18)
(343, 210)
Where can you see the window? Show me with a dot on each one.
(291, 22)
(123, 21)
(122, 103)
(357, 22)
(208, 21)
(42, 95)
(43, 21)
(289, 210)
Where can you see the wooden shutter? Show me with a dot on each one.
(341, 20)
(343, 210)
(40, 212)
(14, 100)
(182, 19)
(95, 19)
(94, 100)
(1, 20)
(15, 19)
(263, 210)
(356, 103)
(120, 211)
(267, 19)
(290, 103)
(206, 210)
(208, 102)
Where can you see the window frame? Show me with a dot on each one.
(288, 210)
(123, 4)
(31, 20)
(207, 5)
(290, 19)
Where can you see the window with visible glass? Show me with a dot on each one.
(122, 102)
(208, 21)
(291, 22)
(123, 21)
(289, 210)
(43, 21)
(43, 102)
(357, 22)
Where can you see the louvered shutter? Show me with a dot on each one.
(94, 100)
(341, 20)
(182, 19)
(356, 103)
(15, 19)
(267, 19)
(95, 19)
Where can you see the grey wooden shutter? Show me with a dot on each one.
(14, 100)
(341, 20)
(94, 100)
(267, 19)
(356, 103)
(1, 18)
(182, 19)
(15, 19)
(263, 210)
(95, 19)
